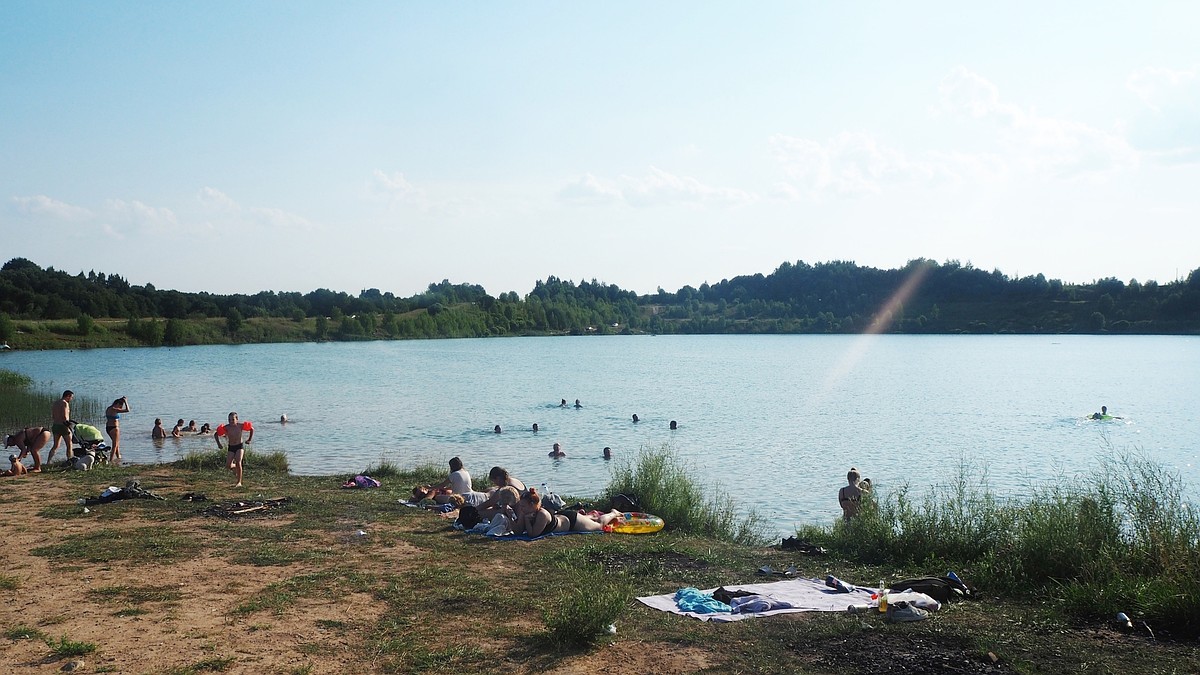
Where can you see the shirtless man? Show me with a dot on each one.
(30, 441)
(60, 414)
(237, 450)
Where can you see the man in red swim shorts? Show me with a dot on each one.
(237, 450)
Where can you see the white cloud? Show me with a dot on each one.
(847, 164)
(1037, 143)
(396, 188)
(233, 213)
(45, 206)
(138, 215)
(656, 188)
(1160, 87)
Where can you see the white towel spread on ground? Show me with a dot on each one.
(803, 595)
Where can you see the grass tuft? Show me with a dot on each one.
(582, 614)
(664, 486)
(64, 648)
(24, 633)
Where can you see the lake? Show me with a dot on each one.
(776, 420)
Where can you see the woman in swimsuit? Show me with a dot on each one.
(535, 521)
(851, 495)
(112, 424)
(30, 440)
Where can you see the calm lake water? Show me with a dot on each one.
(777, 420)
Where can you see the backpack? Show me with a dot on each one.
(942, 589)
(468, 517)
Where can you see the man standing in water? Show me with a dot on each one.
(237, 450)
(60, 415)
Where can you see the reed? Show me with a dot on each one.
(1123, 538)
(663, 485)
(22, 404)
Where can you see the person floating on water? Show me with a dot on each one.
(563, 404)
(635, 418)
(1103, 414)
(535, 427)
(607, 452)
(496, 429)
(674, 425)
(557, 451)
(578, 404)
(283, 419)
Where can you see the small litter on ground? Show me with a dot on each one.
(249, 508)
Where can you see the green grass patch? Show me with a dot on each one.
(24, 633)
(131, 611)
(65, 648)
(279, 596)
(138, 545)
(252, 461)
(9, 583)
(587, 604)
(269, 555)
(136, 595)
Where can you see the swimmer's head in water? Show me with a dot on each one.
(535, 426)
(496, 429)
(607, 452)
(674, 424)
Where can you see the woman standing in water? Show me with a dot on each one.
(112, 424)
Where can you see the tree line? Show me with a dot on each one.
(830, 297)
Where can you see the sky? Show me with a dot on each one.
(236, 147)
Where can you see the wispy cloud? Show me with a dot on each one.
(120, 216)
(1035, 143)
(395, 188)
(1157, 87)
(847, 164)
(42, 205)
(227, 211)
(656, 188)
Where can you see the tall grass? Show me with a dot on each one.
(590, 603)
(22, 405)
(1123, 538)
(209, 460)
(664, 486)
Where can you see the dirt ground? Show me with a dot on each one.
(194, 628)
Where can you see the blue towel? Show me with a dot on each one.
(692, 600)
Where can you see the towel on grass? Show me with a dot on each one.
(803, 595)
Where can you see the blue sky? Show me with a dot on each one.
(239, 147)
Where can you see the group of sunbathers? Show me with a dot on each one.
(509, 506)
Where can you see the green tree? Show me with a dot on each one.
(174, 333)
(7, 328)
(322, 330)
(233, 321)
(86, 324)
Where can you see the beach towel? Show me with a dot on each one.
(802, 595)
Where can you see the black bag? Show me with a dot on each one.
(942, 589)
(468, 516)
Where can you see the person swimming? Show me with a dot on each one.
(496, 429)
(578, 404)
(535, 427)
(674, 425)
(557, 451)
(607, 452)
(636, 419)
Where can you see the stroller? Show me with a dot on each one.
(91, 451)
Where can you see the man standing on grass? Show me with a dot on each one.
(60, 415)
(237, 450)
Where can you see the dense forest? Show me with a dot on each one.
(830, 297)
